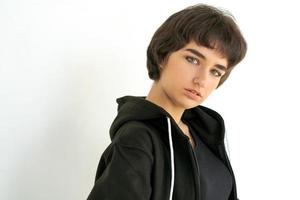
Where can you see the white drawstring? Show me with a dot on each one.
(227, 145)
(172, 158)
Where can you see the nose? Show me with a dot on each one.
(202, 77)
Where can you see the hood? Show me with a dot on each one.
(209, 123)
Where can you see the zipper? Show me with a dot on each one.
(197, 171)
(195, 163)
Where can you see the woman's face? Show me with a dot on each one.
(191, 74)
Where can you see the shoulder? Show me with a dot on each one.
(134, 134)
(203, 110)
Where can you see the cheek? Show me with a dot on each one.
(178, 71)
(186, 72)
(211, 86)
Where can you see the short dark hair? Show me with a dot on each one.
(207, 26)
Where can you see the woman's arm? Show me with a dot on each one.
(124, 170)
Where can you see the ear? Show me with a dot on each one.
(164, 62)
(160, 67)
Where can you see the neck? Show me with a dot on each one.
(157, 96)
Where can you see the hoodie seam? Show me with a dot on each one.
(129, 163)
(136, 148)
(120, 141)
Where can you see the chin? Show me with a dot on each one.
(187, 103)
(191, 105)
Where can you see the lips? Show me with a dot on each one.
(194, 92)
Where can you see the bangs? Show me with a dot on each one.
(220, 36)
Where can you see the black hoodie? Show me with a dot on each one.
(150, 158)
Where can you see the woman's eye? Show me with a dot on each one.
(216, 73)
(192, 60)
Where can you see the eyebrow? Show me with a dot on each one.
(197, 53)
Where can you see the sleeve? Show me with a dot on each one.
(124, 171)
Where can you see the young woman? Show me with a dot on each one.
(166, 145)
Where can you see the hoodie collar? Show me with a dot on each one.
(208, 123)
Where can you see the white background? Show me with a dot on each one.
(64, 62)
